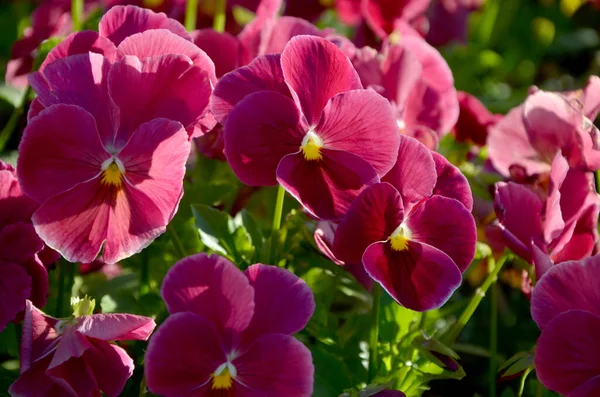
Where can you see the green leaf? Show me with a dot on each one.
(215, 228)
(331, 374)
(517, 364)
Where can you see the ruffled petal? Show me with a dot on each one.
(566, 286)
(445, 224)
(554, 223)
(158, 87)
(414, 174)
(283, 302)
(361, 122)
(373, 216)
(316, 70)
(282, 31)
(81, 43)
(16, 206)
(15, 288)
(121, 22)
(420, 278)
(71, 345)
(262, 74)
(74, 376)
(38, 337)
(55, 156)
(110, 327)
(110, 367)
(260, 131)
(35, 382)
(326, 187)
(213, 288)
(276, 365)
(401, 71)
(19, 243)
(566, 355)
(223, 48)
(182, 355)
(80, 80)
(451, 182)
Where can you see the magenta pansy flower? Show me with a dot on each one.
(415, 243)
(22, 271)
(75, 356)
(302, 120)
(417, 81)
(383, 15)
(448, 20)
(548, 123)
(561, 220)
(565, 304)
(474, 120)
(122, 185)
(229, 332)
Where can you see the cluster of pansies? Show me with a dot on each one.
(350, 131)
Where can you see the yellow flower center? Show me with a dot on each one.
(311, 146)
(222, 378)
(400, 238)
(112, 174)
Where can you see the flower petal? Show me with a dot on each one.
(315, 70)
(75, 222)
(74, 376)
(361, 122)
(326, 187)
(445, 224)
(80, 80)
(16, 206)
(123, 21)
(15, 288)
(281, 32)
(38, 337)
(283, 302)
(111, 327)
(223, 48)
(373, 216)
(71, 345)
(155, 88)
(566, 286)
(262, 74)
(19, 243)
(110, 367)
(213, 288)
(182, 355)
(420, 278)
(81, 43)
(451, 182)
(414, 174)
(590, 388)
(55, 156)
(276, 365)
(401, 71)
(553, 217)
(566, 355)
(260, 131)
(35, 382)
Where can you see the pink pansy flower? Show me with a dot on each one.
(128, 32)
(415, 243)
(565, 304)
(417, 81)
(229, 332)
(474, 120)
(448, 20)
(383, 15)
(548, 123)
(302, 120)
(74, 356)
(559, 219)
(22, 271)
(122, 185)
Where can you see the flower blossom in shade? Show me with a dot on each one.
(302, 119)
(137, 38)
(565, 304)
(417, 81)
(383, 16)
(75, 356)
(548, 123)
(474, 120)
(122, 184)
(556, 216)
(23, 255)
(448, 20)
(229, 332)
(410, 238)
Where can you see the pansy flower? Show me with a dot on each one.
(565, 304)
(23, 255)
(448, 20)
(383, 16)
(75, 356)
(122, 184)
(415, 243)
(474, 120)
(302, 120)
(417, 81)
(229, 332)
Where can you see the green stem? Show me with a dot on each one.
(220, 15)
(176, 241)
(540, 389)
(276, 223)
(374, 334)
(143, 388)
(191, 13)
(597, 180)
(65, 286)
(76, 13)
(464, 318)
(145, 276)
(11, 125)
(493, 339)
